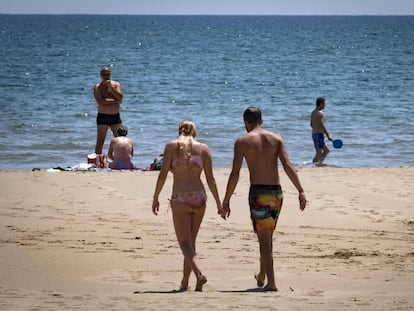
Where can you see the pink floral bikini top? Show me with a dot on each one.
(181, 163)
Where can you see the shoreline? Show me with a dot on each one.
(90, 241)
(305, 165)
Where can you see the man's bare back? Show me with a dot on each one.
(261, 149)
(122, 148)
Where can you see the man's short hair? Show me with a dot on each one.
(252, 115)
(320, 101)
(105, 70)
(122, 130)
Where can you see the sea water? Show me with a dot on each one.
(208, 69)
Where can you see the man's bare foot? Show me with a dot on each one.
(200, 282)
(260, 280)
(268, 288)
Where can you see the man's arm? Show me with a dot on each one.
(111, 149)
(114, 88)
(290, 170)
(98, 96)
(322, 121)
(233, 178)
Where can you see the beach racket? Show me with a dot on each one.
(337, 143)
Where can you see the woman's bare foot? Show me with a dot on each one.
(183, 288)
(260, 280)
(268, 288)
(200, 282)
(184, 283)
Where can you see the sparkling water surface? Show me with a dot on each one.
(207, 69)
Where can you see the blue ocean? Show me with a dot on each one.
(208, 69)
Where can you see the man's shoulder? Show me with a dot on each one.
(243, 138)
(124, 138)
(251, 137)
(270, 134)
(115, 83)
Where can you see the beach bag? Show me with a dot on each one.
(156, 164)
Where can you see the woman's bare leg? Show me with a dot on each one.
(196, 219)
(186, 275)
(187, 222)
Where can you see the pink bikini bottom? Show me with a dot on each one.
(192, 198)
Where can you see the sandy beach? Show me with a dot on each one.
(89, 241)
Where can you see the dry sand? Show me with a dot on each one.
(89, 241)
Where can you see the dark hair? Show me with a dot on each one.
(320, 101)
(252, 115)
(122, 130)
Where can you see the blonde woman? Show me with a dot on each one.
(186, 159)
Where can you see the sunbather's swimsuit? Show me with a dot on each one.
(195, 198)
(118, 165)
(108, 119)
(265, 204)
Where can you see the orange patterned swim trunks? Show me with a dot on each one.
(265, 203)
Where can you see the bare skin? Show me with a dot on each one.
(262, 149)
(187, 219)
(318, 126)
(108, 96)
(121, 148)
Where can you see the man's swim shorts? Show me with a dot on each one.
(318, 140)
(108, 119)
(265, 203)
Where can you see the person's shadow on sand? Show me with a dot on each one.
(173, 291)
(178, 291)
(248, 290)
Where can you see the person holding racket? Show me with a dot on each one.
(319, 130)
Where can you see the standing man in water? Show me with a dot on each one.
(262, 150)
(317, 122)
(108, 96)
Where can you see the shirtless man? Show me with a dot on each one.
(108, 96)
(121, 150)
(317, 123)
(262, 149)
